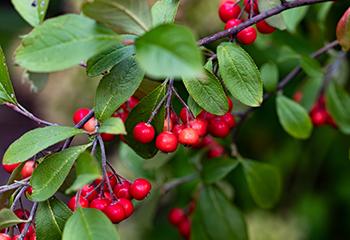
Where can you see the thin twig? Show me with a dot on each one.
(30, 219)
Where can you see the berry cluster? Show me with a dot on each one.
(319, 114)
(27, 169)
(180, 218)
(30, 235)
(231, 13)
(186, 129)
(117, 205)
(121, 113)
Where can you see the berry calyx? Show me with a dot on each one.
(28, 169)
(176, 216)
(188, 136)
(166, 142)
(127, 205)
(229, 9)
(140, 188)
(264, 28)
(144, 132)
(115, 212)
(82, 202)
(99, 203)
(247, 36)
(218, 128)
(10, 167)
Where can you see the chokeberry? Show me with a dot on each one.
(140, 188)
(144, 132)
(166, 142)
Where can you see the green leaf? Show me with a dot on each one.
(220, 220)
(37, 81)
(141, 113)
(217, 169)
(208, 93)
(104, 61)
(276, 20)
(52, 171)
(169, 50)
(117, 87)
(63, 42)
(310, 92)
(194, 107)
(343, 30)
(131, 16)
(112, 126)
(311, 67)
(89, 224)
(8, 218)
(197, 230)
(37, 140)
(6, 90)
(293, 117)
(264, 182)
(240, 74)
(33, 14)
(269, 75)
(50, 219)
(338, 104)
(164, 11)
(87, 170)
(293, 17)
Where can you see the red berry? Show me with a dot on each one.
(205, 115)
(89, 190)
(200, 126)
(229, 119)
(230, 104)
(31, 229)
(21, 214)
(188, 136)
(216, 151)
(28, 169)
(185, 115)
(298, 96)
(144, 132)
(177, 129)
(80, 114)
(228, 10)
(232, 23)
(17, 237)
(176, 216)
(185, 228)
(122, 190)
(4, 236)
(115, 212)
(319, 118)
(10, 167)
(99, 203)
(132, 102)
(247, 4)
(29, 191)
(106, 137)
(127, 205)
(247, 36)
(32, 236)
(82, 202)
(166, 142)
(264, 27)
(140, 188)
(218, 128)
(208, 141)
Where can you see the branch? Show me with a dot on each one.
(274, 11)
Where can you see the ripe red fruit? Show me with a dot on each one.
(122, 190)
(31, 229)
(166, 142)
(177, 129)
(140, 188)
(205, 115)
(185, 228)
(29, 191)
(264, 27)
(229, 9)
(319, 117)
(99, 203)
(229, 119)
(89, 190)
(82, 202)
(21, 214)
(185, 115)
(80, 114)
(188, 136)
(106, 137)
(17, 237)
(232, 23)
(28, 169)
(247, 4)
(298, 96)
(112, 179)
(10, 167)
(176, 216)
(115, 212)
(247, 36)
(230, 104)
(201, 126)
(127, 205)
(144, 132)
(218, 128)
(4, 236)
(216, 151)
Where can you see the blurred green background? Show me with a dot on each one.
(315, 203)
